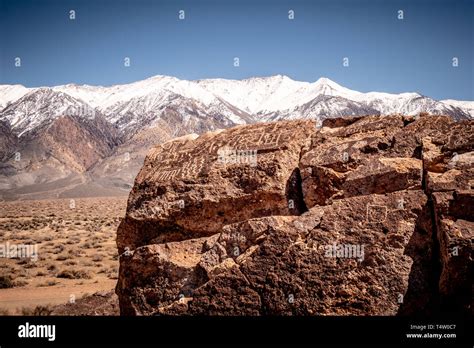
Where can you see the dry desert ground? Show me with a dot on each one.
(76, 254)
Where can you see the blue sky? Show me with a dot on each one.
(385, 53)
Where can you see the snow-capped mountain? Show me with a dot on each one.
(11, 93)
(105, 97)
(149, 109)
(279, 97)
(81, 138)
(261, 95)
(322, 107)
(264, 95)
(142, 104)
(228, 102)
(466, 106)
(40, 106)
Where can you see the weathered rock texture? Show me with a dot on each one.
(365, 216)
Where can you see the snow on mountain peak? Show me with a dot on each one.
(257, 94)
(255, 98)
(11, 93)
(325, 81)
(38, 106)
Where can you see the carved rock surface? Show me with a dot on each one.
(192, 187)
(364, 216)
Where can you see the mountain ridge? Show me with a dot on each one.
(118, 124)
(104, 97)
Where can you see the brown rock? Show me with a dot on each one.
(193, 187)
(456, 258)
(312, 265)
(159, 275)
(449, 164)
(103, 303)
(454, 218)
(286, 265)
(362, 158)
(245, 243)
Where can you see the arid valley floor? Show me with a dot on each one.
(77, 255)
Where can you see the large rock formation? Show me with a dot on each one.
(364, 216)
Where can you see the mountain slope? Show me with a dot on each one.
(8, 140)
(279, 95)
(86, 139)
(56, 155)
(11, 93)
(322, 107)
(228, 102)
(146, 111)
(466, 106)
(41, 106)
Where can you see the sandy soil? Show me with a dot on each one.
(75, 249)
(13, 300)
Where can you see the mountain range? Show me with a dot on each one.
(80, 140)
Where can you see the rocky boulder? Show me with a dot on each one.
(364, 216)
(192, 187)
